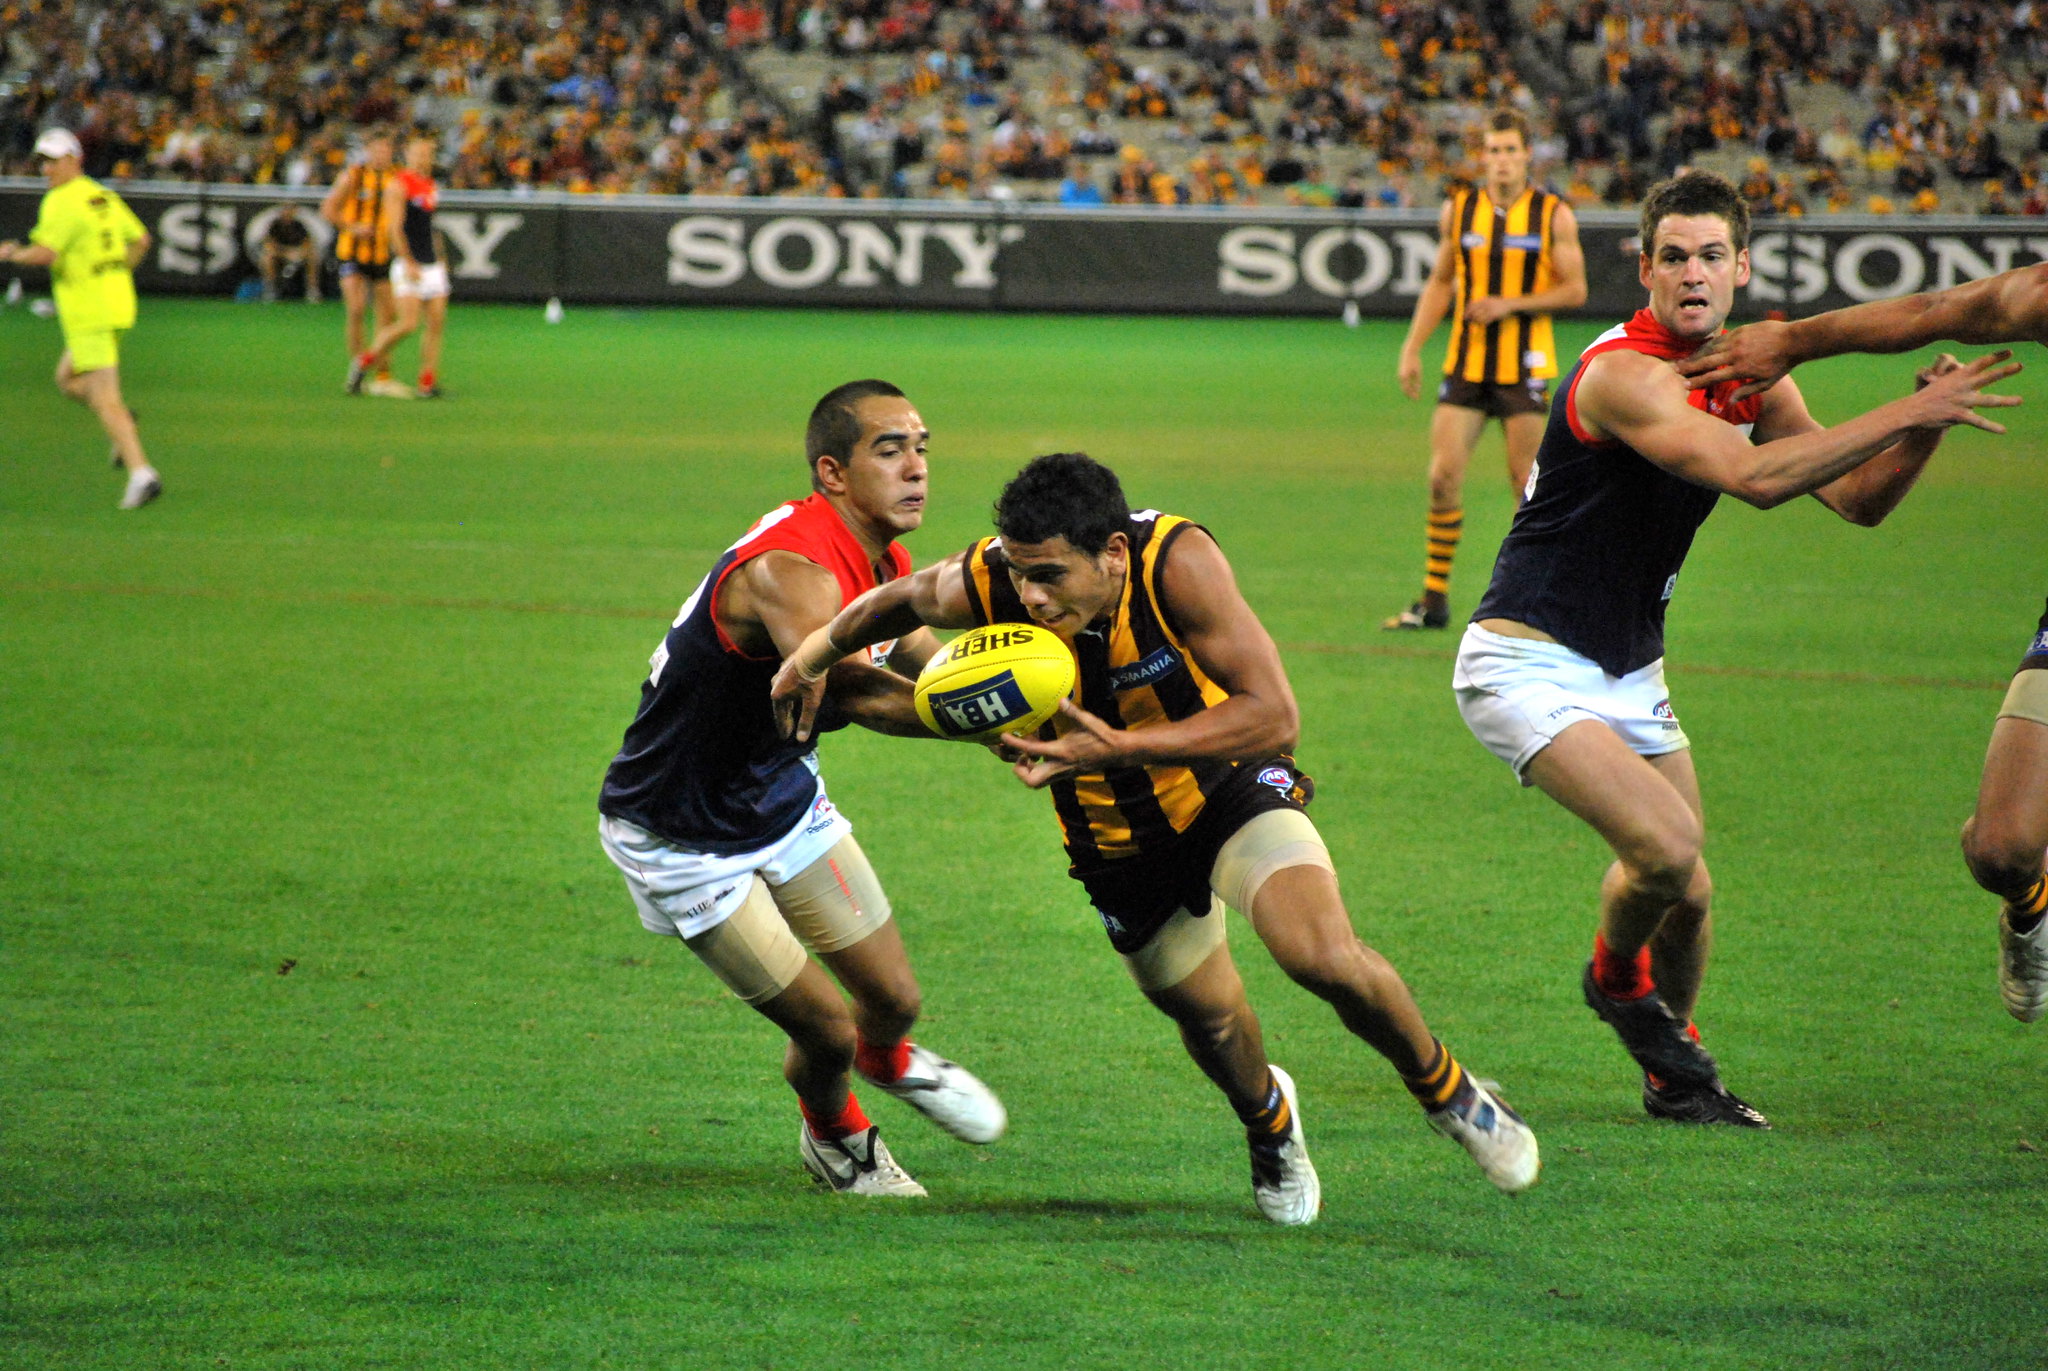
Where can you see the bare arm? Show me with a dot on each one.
(1871, 491)
(330, 207)
(781, 597)
(394, 215)
(1233, 649)
(27, 254)
(1642, 402)
(2011, 307)
(935, 597)
(912, 652)
(138, 248)
(1431, 306)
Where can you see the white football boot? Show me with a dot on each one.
(143, 486)
(2023, 969)
(1495, 1136)
(1284, 1181)
(949, 1095)
(858, 1164)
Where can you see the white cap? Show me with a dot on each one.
(55, 143)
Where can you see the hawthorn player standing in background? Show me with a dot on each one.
(356, 206)
(1507, 255)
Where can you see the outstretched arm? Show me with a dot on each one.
(1642, 402)
(935, 597)
(1233, 649)
(2011, 307)
(790, 596)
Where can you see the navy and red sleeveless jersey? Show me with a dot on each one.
(421, 197)
(1593, 554)
(703, 765)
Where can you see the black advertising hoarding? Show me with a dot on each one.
(943, 255)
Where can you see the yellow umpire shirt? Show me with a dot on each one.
(90, 229)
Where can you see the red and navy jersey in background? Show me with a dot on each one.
(421, 196)
(1593, 554)
(703, 765)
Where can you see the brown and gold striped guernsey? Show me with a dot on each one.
(365, 236)
(1505, 252)
(1134, 671)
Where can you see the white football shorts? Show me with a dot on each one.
(1517, 694)
(428, 282)
(682, 894)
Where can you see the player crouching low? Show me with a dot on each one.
(1173, 784)
(723, 829)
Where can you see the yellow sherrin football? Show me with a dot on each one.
(1003, 678)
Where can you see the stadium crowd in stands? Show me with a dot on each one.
(1811, 105)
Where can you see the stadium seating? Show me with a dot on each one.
(1813, 106)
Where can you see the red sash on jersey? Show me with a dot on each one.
(813, 530)
(1645, 334)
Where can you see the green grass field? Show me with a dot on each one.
(340, 702)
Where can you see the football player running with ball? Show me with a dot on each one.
(723, 829)
(1561, 673)
(1172, 782)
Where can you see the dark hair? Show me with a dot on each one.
(834, 428)
(1509, 121)
(1695, 192)
(1063, 495)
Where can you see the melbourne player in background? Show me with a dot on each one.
(357, 207)
(2003, 840)
(1507, 255)
(1177, 797)
(1561, 674)
(723, 828)
(419, 276)
(91, 242)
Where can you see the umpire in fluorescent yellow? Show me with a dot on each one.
(91, 242)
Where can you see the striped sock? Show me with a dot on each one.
(847, 1122)
(2026, 913)
(1270, 1120)
(1445, 528)
(1442, 1085)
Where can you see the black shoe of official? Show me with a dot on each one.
(1655, 1037)
(1700, 1104)
(1421, 614)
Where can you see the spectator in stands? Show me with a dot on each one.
(1626, 186)
(1996, 202)
(1077, 187)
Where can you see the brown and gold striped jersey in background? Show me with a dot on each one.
(365, 236)
(1502, 251)
(1134, 671)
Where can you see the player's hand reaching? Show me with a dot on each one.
(795, 698)
(1952, 394)
(1089, 746)
(1756, 354)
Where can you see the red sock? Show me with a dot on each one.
(882, 1064)
(426, 380)
(368, 359)
(850, 1120)
(1621, 978)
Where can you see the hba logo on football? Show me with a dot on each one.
(983, 705)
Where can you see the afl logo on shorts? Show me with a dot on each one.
(1278, 777)
(821, 815)
(2040, 646)
(1662, 710)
